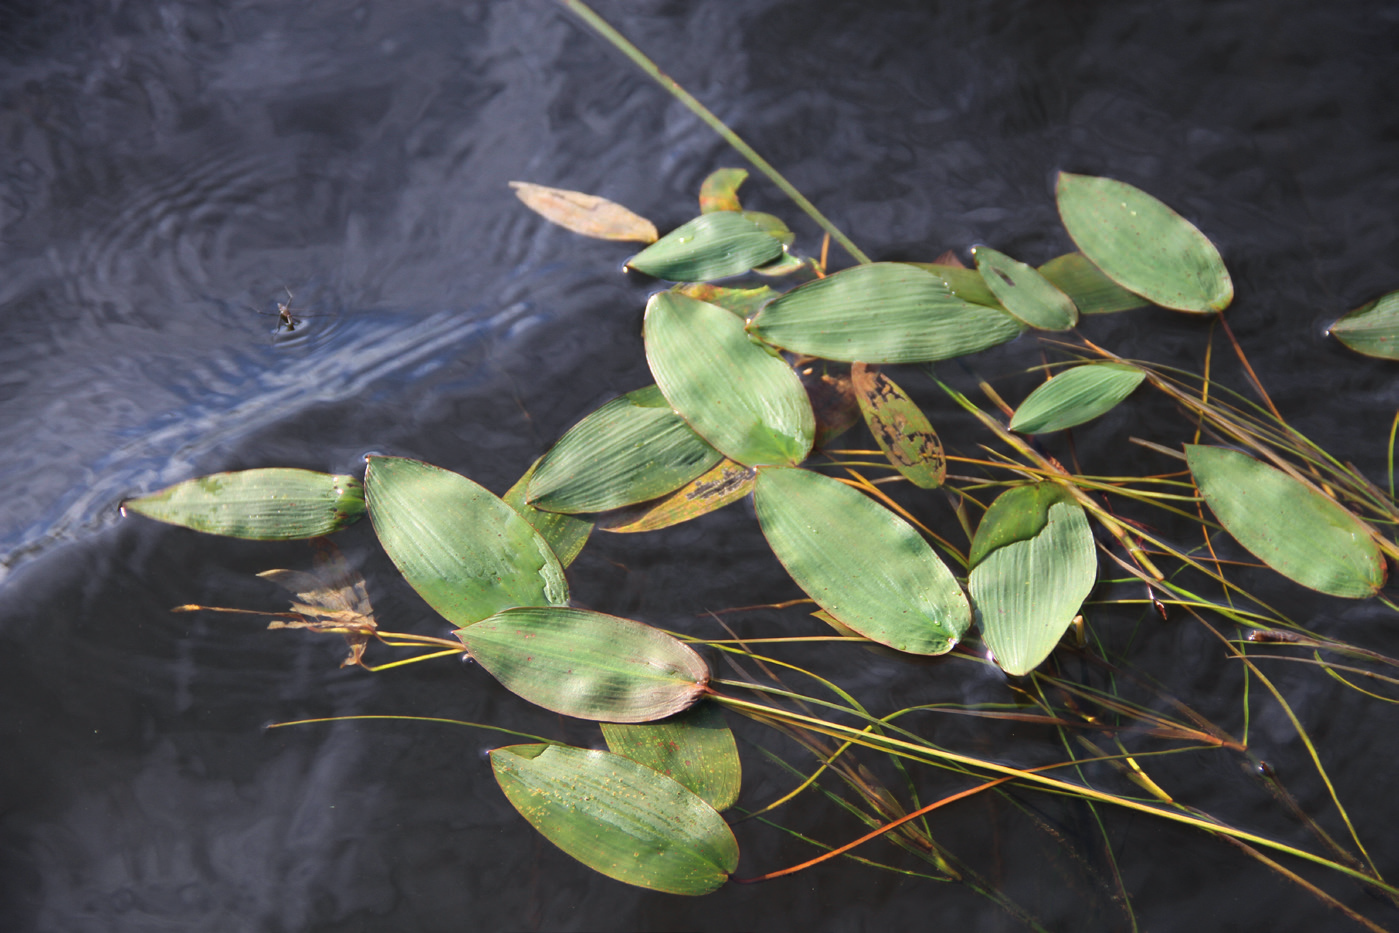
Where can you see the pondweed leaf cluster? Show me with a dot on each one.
(753, 380)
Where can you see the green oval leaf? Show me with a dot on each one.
(587, 664)
(1035, 566)
(695, 747)
(883, 312)
(900, 428)
(632, 449)
(1021, 290)
(711, 246)
(1372, 328)
(742, 399)
(466, 552)
(726, 482)
(1301, 533)
(1084, 283)
(1143, 245)
(264, 505)
(565, 534)
(719, 191)
(618, 817)
(862, 563)
(1074, 396)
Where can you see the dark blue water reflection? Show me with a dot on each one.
(169, 170)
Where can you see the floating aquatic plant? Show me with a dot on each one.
(752, 383)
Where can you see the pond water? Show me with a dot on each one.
(171, 171)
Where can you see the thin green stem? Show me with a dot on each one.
(450, 722)
(623, 45)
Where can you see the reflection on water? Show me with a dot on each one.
(169, 169)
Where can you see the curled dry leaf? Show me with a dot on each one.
(587, 214)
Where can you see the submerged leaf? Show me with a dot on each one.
(1301, 533)
(630, 450)
(1091, 291)
(618, 817)
(695, 747)
(265, 505)
(587, 214)
(331, 598)
(1074, 396)
(899, 426)
(1143, 245)
(1021, 290)
(587, 664)
(743, 302)
(785, 264)
(1020, 514)
(772, 225)
(965, 283)
(833, 402)
(881, 312)
(719, 191)
(1034, 564)
(1372, 328)
(711, 246)
(565, 534)
(743, 400)
(724, 483)
(466, 552)
(862, 563)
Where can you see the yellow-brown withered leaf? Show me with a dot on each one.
(587, 214)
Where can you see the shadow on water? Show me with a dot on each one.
(167, 170)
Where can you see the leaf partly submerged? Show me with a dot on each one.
(466, 552)
(1091, 291)
(264, 505)
(587, 214)
(740, 398)
(1075, 396)
(1024, 292)
(900, 428)
(724, 483)
(618, 817)
(632, 449)
(744, 302)
(711, 246)
(1297, 530)
(1372, 328)
(587, 664)
(695, 747)
(1033, 565)
(862, 563)
(565, 534)
(881, 312)
(965, 283)
(1143, 245)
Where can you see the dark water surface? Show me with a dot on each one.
(168, 170)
